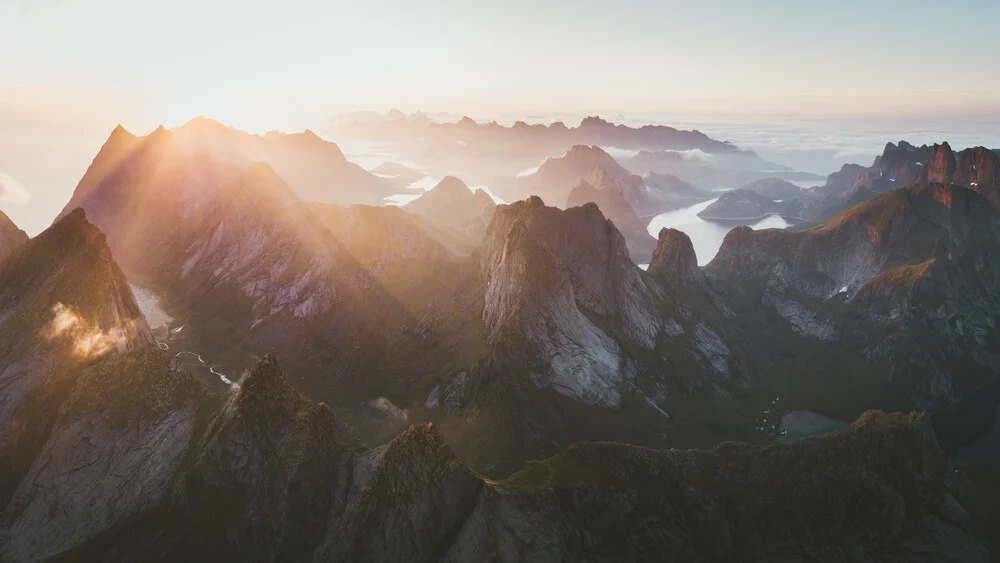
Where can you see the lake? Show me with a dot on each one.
(705, 236)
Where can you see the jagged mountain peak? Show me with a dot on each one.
(590, 156)
(67, 274)
(452, 204)
(674, 260)
(265, 381)
(451, 184)
(11, 237)
(595, 190)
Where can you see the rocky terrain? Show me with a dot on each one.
(267, 475)
(899, 165)
(907, 274)
(252, 267)
(65, 304)
(617, 209)
(10, 237)
(499, 382)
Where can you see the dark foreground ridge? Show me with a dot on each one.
(267, 475)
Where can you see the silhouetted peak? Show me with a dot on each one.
(467, 122)
(593, 121)
(265, 383)
(11, 237)
(452, 185)
(674, 260)
(120, 132)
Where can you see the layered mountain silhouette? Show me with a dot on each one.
(522, 374)
(453, 205)
(899, 165)
(592, 130)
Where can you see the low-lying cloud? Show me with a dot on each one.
(11, 191)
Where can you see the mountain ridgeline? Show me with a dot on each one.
(467, 381)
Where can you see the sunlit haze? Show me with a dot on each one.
(264, 65)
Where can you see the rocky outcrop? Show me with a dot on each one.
(271, 468)
(614, 206)
(10, 237)
(251, 267)
(110, 457)
(904, 262)
(542, 283)
(63, 303)
(416, 501)
(453, 205)
(844, 179)
(978, 168)
(674, 261)
(940, 166)
(274, 477)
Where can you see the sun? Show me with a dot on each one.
(181, 106)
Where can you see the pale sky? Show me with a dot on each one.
(70, 70)
(266, 64)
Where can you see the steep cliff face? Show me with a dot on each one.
(620, 212)
(10, 237)
(585, 345)
(63, 304)
(250, 267)
(674, 262)
(979, 169)
(411, 508)
(271, 467)
(542, 284)
(899, 166)
(908, 274)
(110, 457)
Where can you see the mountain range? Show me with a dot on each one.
(462, 380)
(898, 166)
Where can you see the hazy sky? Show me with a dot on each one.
(72, 69)
(263, 64)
